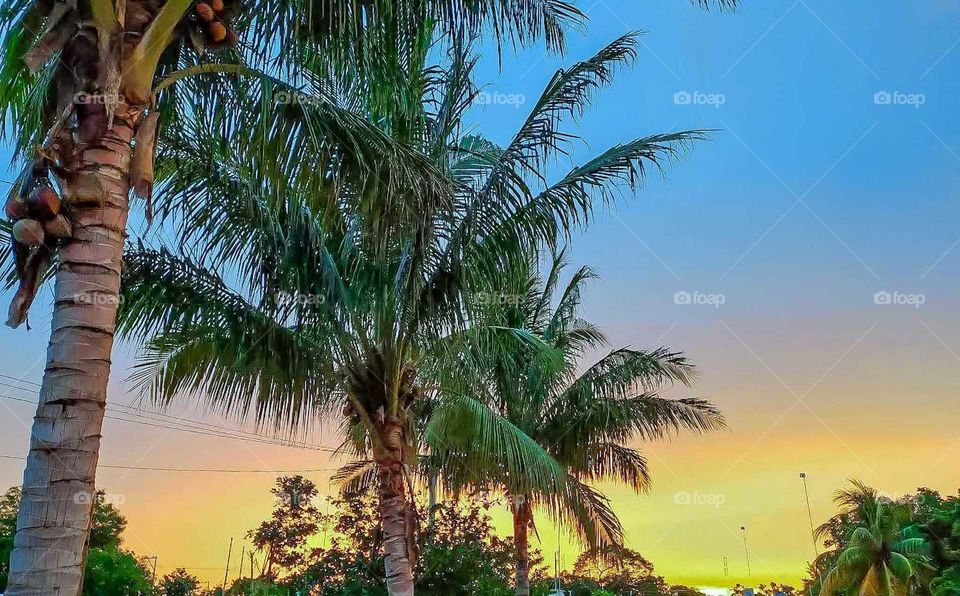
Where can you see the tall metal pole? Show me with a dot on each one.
(153, 558)
(746, 549)
(243, 550)
(813, 533)
(227, 570)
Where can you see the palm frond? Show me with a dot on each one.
(357, 477)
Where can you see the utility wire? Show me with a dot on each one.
(205, 470)
(153, 414)
(161, 420)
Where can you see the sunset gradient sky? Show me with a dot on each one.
(809, 199)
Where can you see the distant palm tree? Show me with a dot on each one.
(881, 554)
(317, 297)
(584, 420)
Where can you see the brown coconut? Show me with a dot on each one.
(217, 6)
(218, 31)
(43, 203)
(205, 12)
(15, 209)
(28, 232)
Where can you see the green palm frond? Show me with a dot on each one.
(646, 416)
(624, 372)
(202, 337)
(489, 446)
(611, 461)
(912, 546)
(585, 510)
(901, 569)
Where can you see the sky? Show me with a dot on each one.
(805, 257)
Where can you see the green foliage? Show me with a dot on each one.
(257, 587)
(179, 583)
(9, 503)
(108, 523)
(889, 547)
(774, 589)
(616, 570)
(115, 572)
(295, 518)
(459, 556)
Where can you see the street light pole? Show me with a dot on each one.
(746, 549)
(813, 534)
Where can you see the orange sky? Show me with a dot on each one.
(705, 487)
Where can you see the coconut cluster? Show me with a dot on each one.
(212, 19)
(37, 216)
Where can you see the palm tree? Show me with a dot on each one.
(84, 85)
(583, 420)
(879, 554)
(314, 298)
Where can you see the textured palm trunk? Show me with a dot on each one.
(522, 516)
(58, 484)
(396, 516)
(431, 499)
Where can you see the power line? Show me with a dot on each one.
(138, 410)
(204, 470)
(152, 414)
(167, 422)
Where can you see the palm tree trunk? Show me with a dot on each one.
(431, 499)
(396, 517)
(58, 484)
(522, 516)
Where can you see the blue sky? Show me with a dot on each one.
(809, 199)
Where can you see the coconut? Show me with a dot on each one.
(15, 209)
(205, 12)
(58, 228)
(43, 203)
(218, 31)
(28, 232)
(217, 6)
